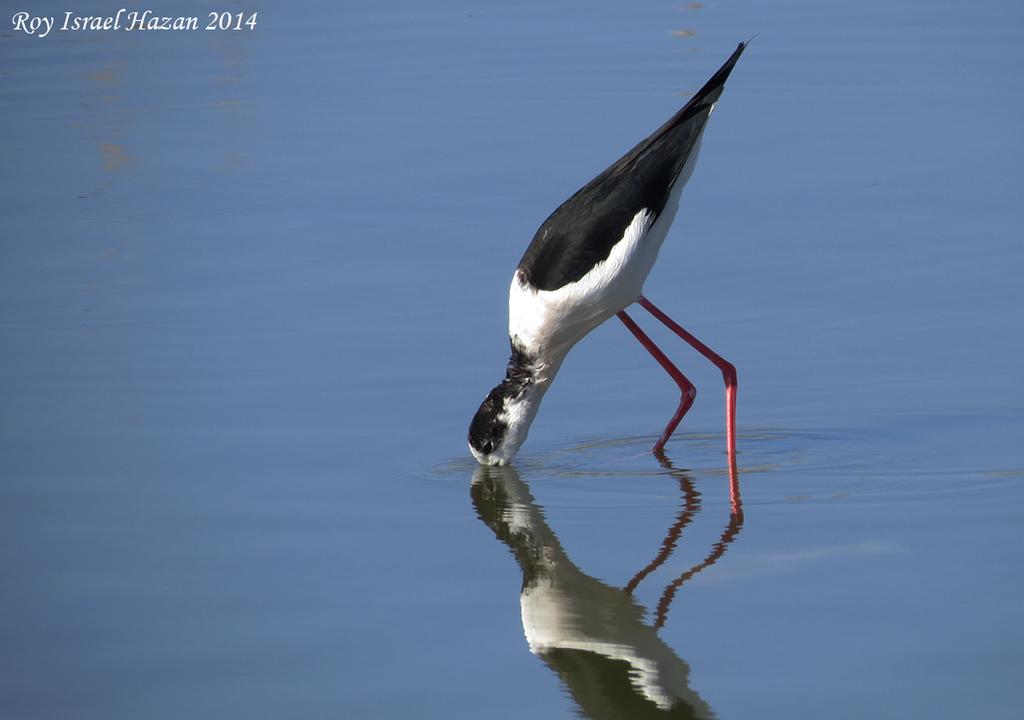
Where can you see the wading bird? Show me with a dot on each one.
(588, 262)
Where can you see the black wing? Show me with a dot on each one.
(583, 230)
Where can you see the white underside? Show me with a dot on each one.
(547, 323)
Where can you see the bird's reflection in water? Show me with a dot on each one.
(591, 634)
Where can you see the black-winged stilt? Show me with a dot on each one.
(588, 262)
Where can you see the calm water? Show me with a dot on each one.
(253, 286)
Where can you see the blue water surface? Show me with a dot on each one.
(253, 286)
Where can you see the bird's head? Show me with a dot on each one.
(500, 426)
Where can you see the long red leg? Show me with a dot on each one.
(727, 368)
(686, 388)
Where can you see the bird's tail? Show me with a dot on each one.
(712, 90)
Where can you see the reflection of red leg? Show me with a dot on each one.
(727, 368)
(717, 551)
(729, 535)
(691, 506)
(689, 392)
(735, 501)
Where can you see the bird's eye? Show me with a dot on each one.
(488, 447)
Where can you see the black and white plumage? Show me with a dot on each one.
(588, 262)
